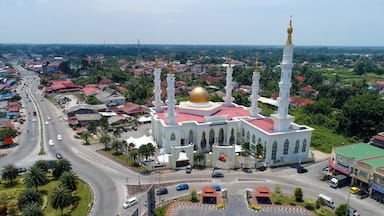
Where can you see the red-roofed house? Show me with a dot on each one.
(13, 107)
(300, 79)
(306, 91)
(105, 81)
(90, 91)
(377, 140)
(131, 109)
(6, 124)
(61, 86)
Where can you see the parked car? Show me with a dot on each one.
(182, 187)
(21, 170)
(247, 170)
(354, 190)
(301, 169)
(262, 168)
(188, 170)
(217, 175)
(162, 191)
(362, 195)
(217, 187)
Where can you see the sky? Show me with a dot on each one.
(217, 22)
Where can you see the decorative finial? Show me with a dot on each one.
(229, 60)
(157, 62)
(257, 63)
(170, 68)
(290, 30)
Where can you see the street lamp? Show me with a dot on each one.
(349, 196)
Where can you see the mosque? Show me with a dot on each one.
(217, 127)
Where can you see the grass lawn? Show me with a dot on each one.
(83, 194)
(161, 211)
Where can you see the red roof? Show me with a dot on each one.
(105, 81)
(301, 101)
(263, 192)
(13, 107)
(131, 108)
(265, 124)
(308, 89)
(90, 90)
(208, 192)
(6, 124)
(378, 137)
(91, 85)
(57, 85)
(230, 112)
(300, 78)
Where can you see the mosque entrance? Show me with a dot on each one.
(182, 159)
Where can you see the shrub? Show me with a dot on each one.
(277, 189)
(256, 207)
(194, 197)
(310, 206)
(298, 195)
(220, 206)
(319, 202)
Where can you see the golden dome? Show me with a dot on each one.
(199, 95)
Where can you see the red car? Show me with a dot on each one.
(222, 158)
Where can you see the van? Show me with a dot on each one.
(130, 202)
(327, 200)
(188, 170)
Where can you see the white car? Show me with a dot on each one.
(50, 142)
(59, 137)
(46, 122)
(49, 118)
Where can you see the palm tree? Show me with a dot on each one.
(104, 124)
(117, 144)
(199, 156)
(143, 151)
(117, 133)
(131, 146)
(10, 172)
(61, 166)
(134, 154)
(85, 136)
(32, 209)
(29, 196)
(68, 179)
(42, 164)
(61, 198)
(35, 177)
(105, 139)
(151, 149)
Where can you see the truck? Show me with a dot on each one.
(339, 181)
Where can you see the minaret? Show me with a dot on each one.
(255, 91)
(228, 99)
(282, 119)
(171, 95)
(157, 88)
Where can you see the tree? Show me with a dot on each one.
(151, 149)
(32, 209)
(7, 132)
(28, 196)
(259, 150)
(116, 133)
(199, 156)
(117, 144)
(134, 153)
(194, 197)
(105, 139)
(341, 209)
(68, 179)
(131, 146)
(92, 127)
(319, 202)
(61, 166)
(42, 164)
(298, 195)
(61, 198)
(35, 177)
(85, 136)
(10, 173)
(143, 151)
(104, 124)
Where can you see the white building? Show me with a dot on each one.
(208, 125)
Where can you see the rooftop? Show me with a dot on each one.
(375, 162)
(359, 151)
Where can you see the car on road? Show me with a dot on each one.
(217, 175)
(362, 195)
(21, 170)
(34, 119)
(182, 187)
(354, 190)
(188, 170)
(247, 170)
(162, 191)
(77, 136)
(46, 122)
(216, 187)
(262, 168)
(130, 202)
(301, 169)
(59, 137)
(51, 143)
(59, 155)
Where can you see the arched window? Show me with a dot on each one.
(211, 137)
(248, 136)
(253, 139)
(203, 142)
(297, 146)
(286, 147)
(173, 137)
(274, 150)
(242, 132)
(304, 148)
(190, 138)
(232, 137)
(221, 136)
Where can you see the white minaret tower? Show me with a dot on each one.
(171, 95)
(157, 88)
(228, 99)
(255, 91)
(282, 119)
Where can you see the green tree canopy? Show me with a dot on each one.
(61, 166)
(35, 177)
(61, 198)
(32, 209)
(28, 196)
